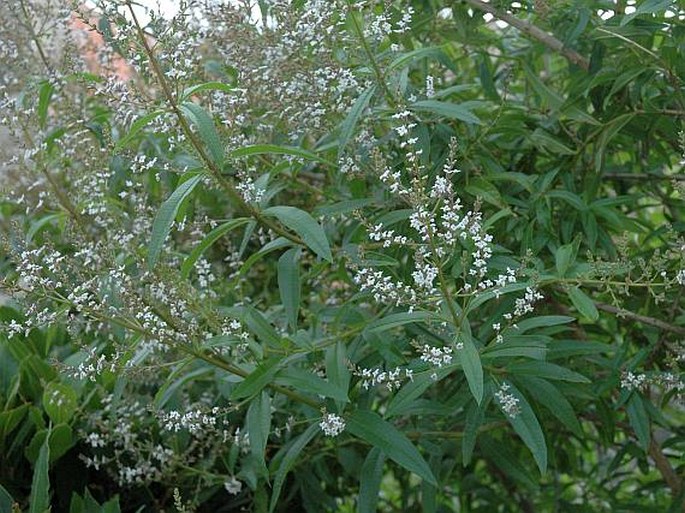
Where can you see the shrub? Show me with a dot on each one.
(334, 256)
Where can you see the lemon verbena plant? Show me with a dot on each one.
(308, 255)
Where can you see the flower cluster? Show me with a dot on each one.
(391, 379)
(436, 356)
(331, 424)
(193, 421)
(508, 401)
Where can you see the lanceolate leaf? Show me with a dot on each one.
(44, 96)
(473, 369)
(210, 239)
(206, 86)
(350, 122)
(265, 149)
(6, 500)
(305, 226)
(446, 109)
(206, 128)
(258, 424)
(39, 501)
(257, 380)
(546, 370)
(583, 303)
(337, 370)
(386, 437)
(289, 459)
(165, 218)
(289, 284)
(307, 381)
(639, 420)
(400, 319)
(551, 398)
(136, 127)
(526, 425)
(370, 481)
(474, 419)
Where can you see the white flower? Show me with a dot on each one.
(508, 402)
(430, 88)
(331, 424)
(680, 277)
(233, 486)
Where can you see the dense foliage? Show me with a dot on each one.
(325, 255)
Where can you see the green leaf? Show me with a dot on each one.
(206, 86)
(564, 258)
(647, 7)
(400, 319)
(370, 481)
(611, 129)
(307, 381)
(59, 402)
(420, 53)
(44, 96)
(543, 321)
(6, 500)
(546, 370)
(165, 218)
(528, 346)
(474, 418)
(500, 454)
(177, 379)
(343, 207)
(257, 379)
(136, 127)
(291, 454)
(546, 141)
(264, 149)
(639, 420)
(526, 425)
(350, 122)
(411, 391)
(446, 109)
(258, 424)
(208, 240)
(337, 371)
(583, 303)
(261, 327)
(39, 501)
(206, 128)
(369, 426)
(473, 369)
(572, 199)
(305, 226)
(551, 398)
(289, 284)
(552, 99)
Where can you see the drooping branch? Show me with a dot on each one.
(534, 32)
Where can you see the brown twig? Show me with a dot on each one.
(643, 176)
(641, 318)
(534, 32)
(673, 480)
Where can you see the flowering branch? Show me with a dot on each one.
(216, 172)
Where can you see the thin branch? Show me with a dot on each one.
(673, 480)
(643, 176)
(534, 32)
(641, 318)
